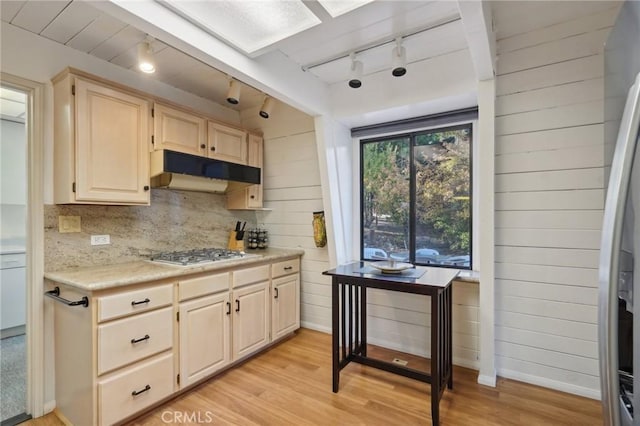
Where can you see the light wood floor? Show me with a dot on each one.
(291, 385)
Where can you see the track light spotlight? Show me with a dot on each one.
(399, 62)
(355, 76)
(233, 94)
(146, 63)
(267, 107)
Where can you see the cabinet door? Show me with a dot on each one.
(285, 307)
(13, 296)
(254, 192)
(204, 337)
(227, 144)
(250, 319)
(250, 197)
(179, 131)
(112, 135)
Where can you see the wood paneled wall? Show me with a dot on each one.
(549, 201)
(292, 192)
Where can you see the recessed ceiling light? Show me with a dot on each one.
(249, 25)
(340, 7)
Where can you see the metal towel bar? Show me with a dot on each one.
(55, 294)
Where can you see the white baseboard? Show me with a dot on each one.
(487, 380)
(316, 327)
(49, 406)
(552, 384)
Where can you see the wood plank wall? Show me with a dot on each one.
(292, 191)
(549, 172)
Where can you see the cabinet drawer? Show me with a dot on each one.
(286, 267)
(188, 289)
(134, 389)
(250, 275)
(132, 302)
(130, 339)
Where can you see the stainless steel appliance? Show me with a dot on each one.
(198, 256)
(619, 275)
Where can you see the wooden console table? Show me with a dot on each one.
(349, 321)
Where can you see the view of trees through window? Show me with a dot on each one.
(416, 197)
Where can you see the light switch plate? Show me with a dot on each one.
(68, 224)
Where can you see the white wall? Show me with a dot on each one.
(549, 179)
(292, 192)
(13, 183)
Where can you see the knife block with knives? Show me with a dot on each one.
(236, 237)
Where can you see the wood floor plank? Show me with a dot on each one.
(290, 384)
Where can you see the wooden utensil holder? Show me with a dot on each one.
(233, 243)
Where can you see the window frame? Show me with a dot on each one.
(412, 135)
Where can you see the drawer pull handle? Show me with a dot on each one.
(228, 308)
(140, 302)
(142, 339)
(136, 393)
(288, 268)
(237, 305)
(55, 294)
(276, 291)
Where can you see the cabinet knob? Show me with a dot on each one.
(203, 146)
(252, 197)
(276, 292)
(146, 187)
(213, 148)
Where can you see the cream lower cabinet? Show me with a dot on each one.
(250, 303)
(204, 324)
(133, 347)
(115, 357)
(250, 319)
(285, 298)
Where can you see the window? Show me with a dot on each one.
(416, 197)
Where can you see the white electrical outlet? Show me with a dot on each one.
(100, 240)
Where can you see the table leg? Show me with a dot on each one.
(363, 320)
(335, 336)
(435, 358)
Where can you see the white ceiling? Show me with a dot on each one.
(80, 25)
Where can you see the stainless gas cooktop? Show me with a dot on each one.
(198, 256)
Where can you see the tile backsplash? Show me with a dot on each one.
(175, 220)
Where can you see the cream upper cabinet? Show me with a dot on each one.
(251, 197)
(101, 145)
(226, 143)
(179, 130)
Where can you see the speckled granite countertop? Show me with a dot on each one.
(468, 276)
(117, 275)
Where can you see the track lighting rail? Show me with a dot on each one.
(379, 43)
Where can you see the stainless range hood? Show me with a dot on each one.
(177, 170)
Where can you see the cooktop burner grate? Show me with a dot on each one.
(197, 256)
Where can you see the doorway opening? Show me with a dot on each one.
(13, 243)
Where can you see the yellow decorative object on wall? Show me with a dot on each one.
(319, 229)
